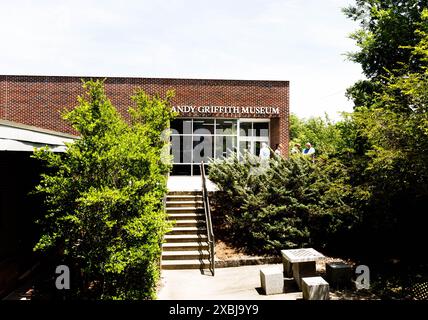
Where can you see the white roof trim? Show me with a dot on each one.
(15, 145)
(13, 138)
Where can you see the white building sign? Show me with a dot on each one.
(227, 110)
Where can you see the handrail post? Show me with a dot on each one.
(207, 210)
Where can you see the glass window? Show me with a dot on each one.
(244, 146)
(181, 149)
(181, 126)
(181, 170)
(245, 129)
(257, 147)
(203, 126)
(201, 139)
(203, 148)
(197, 169)
(226, 126)
(225, 145)
(261, 129)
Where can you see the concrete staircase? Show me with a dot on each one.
(186, 245)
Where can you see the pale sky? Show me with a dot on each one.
(302, 41)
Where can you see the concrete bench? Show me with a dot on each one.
(339, 274)
(315, 288)
(272, 281)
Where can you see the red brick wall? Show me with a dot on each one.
(39, 100)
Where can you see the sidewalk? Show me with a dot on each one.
(187, 183)
(237, 283)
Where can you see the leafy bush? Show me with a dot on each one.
(322, 133)
(105, 196)
(284, 203)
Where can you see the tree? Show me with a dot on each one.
(322, 133)
(387, 28)
(105, 196)
(394, 167)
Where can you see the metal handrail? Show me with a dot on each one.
(208, 219)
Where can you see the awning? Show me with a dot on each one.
(19, 137)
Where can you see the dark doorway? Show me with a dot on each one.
(18, 211)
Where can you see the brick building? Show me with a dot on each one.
(220, 115)
(215, 118)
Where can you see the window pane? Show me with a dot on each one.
(181, 149)
(226, 126)
(181, 126)
(257, 147)
(203, 147)
(225, 145)
(203, 126)
(245, 129)
(261, 129)
(244, 146)
(196, 170)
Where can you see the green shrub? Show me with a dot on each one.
(105, 196)
(285, 203)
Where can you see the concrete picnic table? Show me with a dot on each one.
(300, 263)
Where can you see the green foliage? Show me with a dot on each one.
(105, 196)
(283, 203)
(387, 28)
(322, 133)
(390, 128)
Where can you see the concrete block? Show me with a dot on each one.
(339, 274)
(288, 268)
(315, 288)
(272, 281)
(302, 270)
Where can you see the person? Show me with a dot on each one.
(309, 150)
(296, 149)
(278, 150)
(264, 152)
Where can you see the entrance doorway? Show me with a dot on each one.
(200, 139)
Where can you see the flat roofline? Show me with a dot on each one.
(284, 82)
(36, 129)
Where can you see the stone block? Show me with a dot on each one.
(339, 274)
(272, 281)
(288, 268)
(315, 288)
(302, 270)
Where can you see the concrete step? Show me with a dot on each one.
(185, 264)
(182, 238)
(188, 204)
(185, 255)
(183, 198)
(185, 246)
(187, 230)
(184, 210)
(189, 223)
(184, 193)
(186, 216)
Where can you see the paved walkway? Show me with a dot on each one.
(188, 183)
(238, 283)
